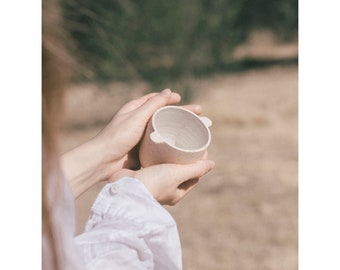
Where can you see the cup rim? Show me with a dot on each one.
(204, 147)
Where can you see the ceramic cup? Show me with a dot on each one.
(174, 135)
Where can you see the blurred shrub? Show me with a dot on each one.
(160, 40)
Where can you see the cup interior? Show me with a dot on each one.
(181, 129)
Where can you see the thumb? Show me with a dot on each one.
(157, 101)
(194, 170)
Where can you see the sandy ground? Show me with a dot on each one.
(243, 215)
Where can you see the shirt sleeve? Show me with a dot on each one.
(129, 229)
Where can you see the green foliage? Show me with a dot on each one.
(160, 40)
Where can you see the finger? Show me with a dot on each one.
(166, 97)
(186, 187)
(136, 103)
(133, 104)
(174, 98)
(195, 108)
(194, 170)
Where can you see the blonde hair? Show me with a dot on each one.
(56, 70)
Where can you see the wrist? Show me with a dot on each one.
(85, 166)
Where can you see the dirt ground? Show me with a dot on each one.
(244, 214)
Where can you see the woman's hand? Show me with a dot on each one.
(123, 133)
(169, 183)
(114, 147)
(127, 126)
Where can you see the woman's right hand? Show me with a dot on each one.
(169, 183)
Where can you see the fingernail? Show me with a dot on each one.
(198, 108)
(166, 92)
(211, 164)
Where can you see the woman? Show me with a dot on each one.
(128, 228)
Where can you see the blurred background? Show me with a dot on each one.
(239, 60)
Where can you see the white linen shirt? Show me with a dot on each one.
(129, 229)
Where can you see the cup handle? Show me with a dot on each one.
(156, 138)
(206, 121)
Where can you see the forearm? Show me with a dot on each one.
(84, 166)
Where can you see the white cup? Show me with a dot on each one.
(174, 135)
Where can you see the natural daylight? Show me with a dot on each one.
(244, 214)
(104, 66)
